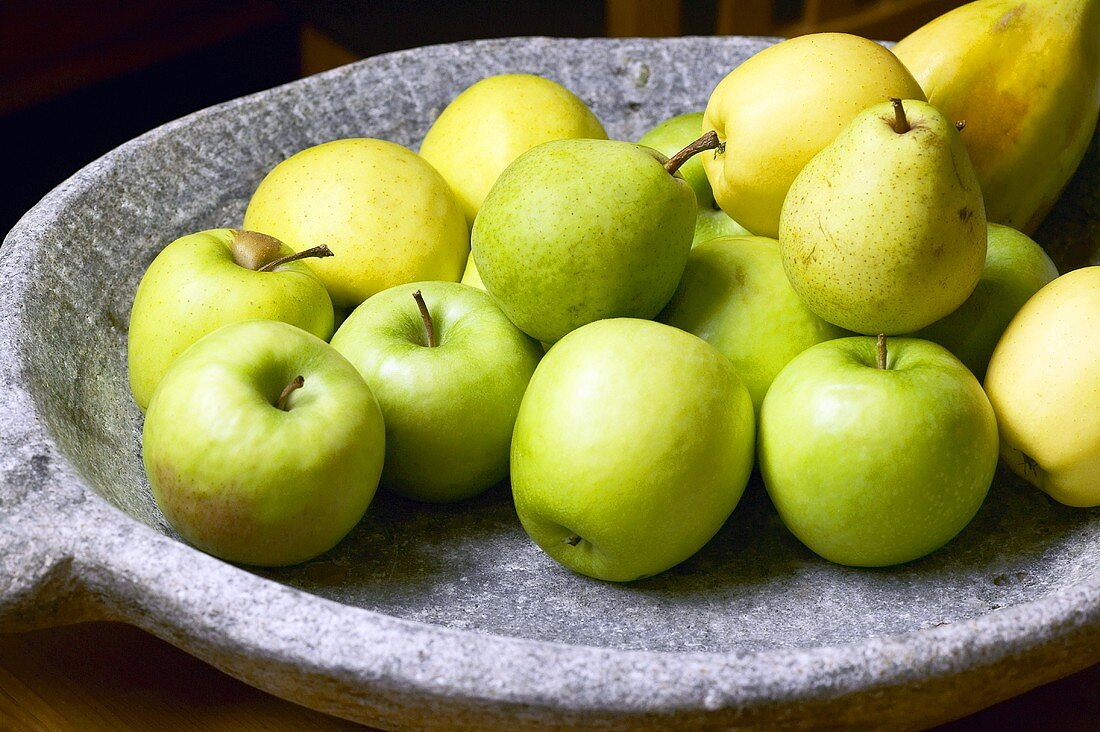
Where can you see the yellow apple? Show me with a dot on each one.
(489, 124)
(1044, 384)
(386, 214)
(784, 104)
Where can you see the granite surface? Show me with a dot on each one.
(448, 617)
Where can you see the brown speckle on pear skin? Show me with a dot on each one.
(1007, 19)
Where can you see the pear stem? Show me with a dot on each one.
(882, 351)
(319, 251)
(426, 317)
(709, 141)
(960, 125)
(572, 540)
(901, 124)
(296, 383)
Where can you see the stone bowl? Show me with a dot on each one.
(447, 617)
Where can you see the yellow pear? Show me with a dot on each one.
(471, 276)
(883, 231)
(489, 124)
(1025, 77)
(1044, 384)
(781, 107)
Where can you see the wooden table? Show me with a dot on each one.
(110, 676)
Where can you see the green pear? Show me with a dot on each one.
(1015, 269)
(580, 230)
(668, 138)
(492, 122)
(884, 230)
(672, 136)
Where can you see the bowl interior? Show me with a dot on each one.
(470, 565)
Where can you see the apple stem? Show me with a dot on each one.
(882, 351)
(296, 383)
(319, 251)
(901, 124)
(960, 125)
(709, 141)
(573, 540)
(426, 317)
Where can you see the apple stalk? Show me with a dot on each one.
(296, 383)
(429, 329)
(709, 141)
(881, 363)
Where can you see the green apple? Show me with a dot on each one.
(389, 217)
(1044, 383)
(1015, 269)
(579, 230)
(449, 379)
(203, 281)
(262, 444)
(735, 296)
(876, 456)
(633, 445)
(492, 122)
(672, 136)
(782, 106)
(884, 230)
(712, 223)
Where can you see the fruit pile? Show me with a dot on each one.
(813, 277)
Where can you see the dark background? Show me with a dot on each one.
(79, 77)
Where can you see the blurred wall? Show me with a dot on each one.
(79, 77)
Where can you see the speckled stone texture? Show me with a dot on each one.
(448, 617)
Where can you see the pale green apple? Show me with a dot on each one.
(884, 230)
(492, 122)
(203, 281)
(253, 465)
(712, 223)
(449, 404)
(672, 136)
(1015, 269)
(386, 214)
(633, 445)
(735, 296)
(579, 230)
(872, 466)
(784, 104)
(1044, 383)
